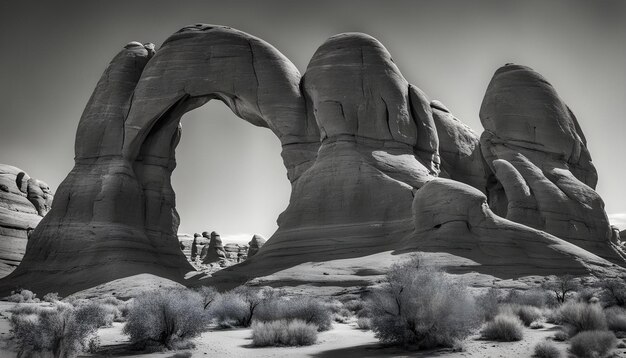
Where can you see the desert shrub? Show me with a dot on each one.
(504, 328)
(528, 314)
(23, 296)
(546, 349)
(208, 294)
(536, 325)
(534, 297)
(562, 287)
(228, 310)
(586, 294)
(61, 330)
(166, 318)
(308, 309)
(421, 307)
(283, 333)
(343, 316)
(561, 336)
(354, 305)
(51, 297)
(616, 318)
(592, 344)
(334, 306)
(364, 323)
(612, 291)
(487, 303)
(578, 317)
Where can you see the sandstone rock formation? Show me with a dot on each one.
(537, 152)
(255, 244)
(214, 251)
(23, 202)
(374, 165)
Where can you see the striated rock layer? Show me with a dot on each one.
(23, 202)
(374, 164)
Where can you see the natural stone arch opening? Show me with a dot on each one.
(229, 175)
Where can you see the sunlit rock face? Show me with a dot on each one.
(374, 164)
(23, 202)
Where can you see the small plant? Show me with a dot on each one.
(616, 318)
(51, 297)
(421, 307)
(166, 318)
(364, 323)
(578, 317)
(283, 333)
(23, 296)
(528, 314)
(61, 330)
(504, 328)
(561, 287)
(613, 291)
(310, 310)
(536, 325)
(546, 349)
(561, 336)
(592, 344)
(488, 303)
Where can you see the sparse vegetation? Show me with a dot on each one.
(61, 330)
(561, 287)
(310, 310)
(592, 344)
(579, 317)
(488, 302)
(528, 314)
(535, 297)
(546, 349)
(23, 296)
(612, 292)
(283, 333)
(420, 307)
(51, 297)
(616, 318)
(166, 318)
(505, 328)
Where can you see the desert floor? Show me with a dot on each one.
(344, 340)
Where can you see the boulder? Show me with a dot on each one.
(23, 203)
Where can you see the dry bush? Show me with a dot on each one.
(592, 344)
(354, 305)
(283, 333)
(23, 296)
(578, 317)
(586, 294)
(562, 287)
(612, 292)
(308, 309)
(421, 307)
(61, 330)
(488, 302)
(561, 336)
(528, 314)
(616, 318)
(51, 297)
(546, 349)
(166, 318)
(364, 323)
(535, 297)
(228, 310)
(504, 328)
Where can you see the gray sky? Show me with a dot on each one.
(230, 176)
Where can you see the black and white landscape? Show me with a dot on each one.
(418, 179)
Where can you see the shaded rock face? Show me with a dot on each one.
(542, 175)
(23, 202)
(374, 165)
(255, 244)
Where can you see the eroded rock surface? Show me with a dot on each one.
(542, 171)
(23, 203)
(366, 153)
(255, 244)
